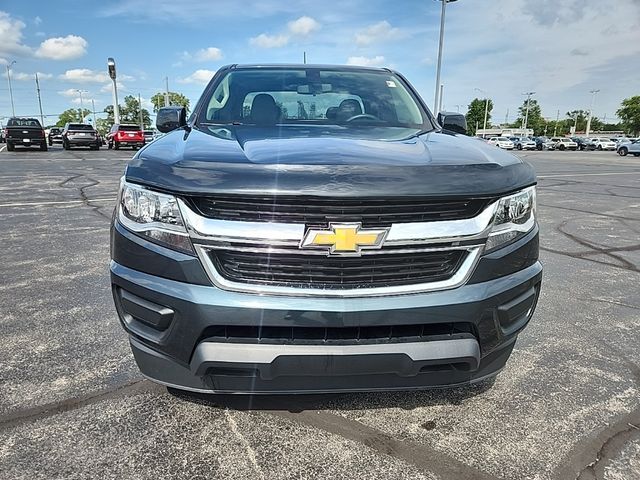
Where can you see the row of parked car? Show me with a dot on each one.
(28, 132)
(623, 145)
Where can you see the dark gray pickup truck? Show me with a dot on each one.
(25, 132)
(315, 228)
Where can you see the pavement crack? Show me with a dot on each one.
(251, 453)
(420, 456)
(34, 414)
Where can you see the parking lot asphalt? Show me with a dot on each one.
(73, 405)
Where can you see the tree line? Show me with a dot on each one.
(129, 112)
(629, 114)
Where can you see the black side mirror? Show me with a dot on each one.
(453, 122)
(170, 118)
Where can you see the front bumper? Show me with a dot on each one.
(171, 311)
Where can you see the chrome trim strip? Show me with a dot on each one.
(239, 353)
(459, 278)
(365, 253)
(290, 234)
(204, 228)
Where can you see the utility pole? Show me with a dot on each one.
(593, 100)
(555, 129)
(140, 109)
(304, 57)
(526, 116)
(506, 118)
(166, 94)
(39, 100)
(441, 95)
(93, 106)
(486, 109)
(457, 108)
(81, 105)
(437, 102)
(13, 109)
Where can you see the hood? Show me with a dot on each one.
(326, 161)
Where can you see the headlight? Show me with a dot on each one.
(515, 216)
(154, 216)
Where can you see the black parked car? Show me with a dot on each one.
(25, 132)
(55, 135)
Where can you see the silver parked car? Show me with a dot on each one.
(523, 143)
(632, 147)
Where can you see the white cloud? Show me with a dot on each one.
(62, 48)
(208, 54)
(108, 87)
(30, 76)
(303, 26)
(201, 77)
(11, 36)
(378, 32)
(84, 75)
(269, 41)
(37, 21)
(366, 61)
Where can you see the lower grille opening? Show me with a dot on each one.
(337, 335)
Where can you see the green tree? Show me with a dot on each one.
(175, 98)
(475, 114)
(129, 112)
(72, 115)
(629, 113)
(535, 120)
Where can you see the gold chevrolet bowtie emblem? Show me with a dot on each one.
(344, 238)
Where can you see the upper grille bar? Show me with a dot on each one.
(318, 211)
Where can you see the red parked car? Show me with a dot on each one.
(125, 136)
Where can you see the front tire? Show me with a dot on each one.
(623, 151)
(599, 148)
(561, 147)
(116, 146)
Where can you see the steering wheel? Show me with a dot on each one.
(362, 115)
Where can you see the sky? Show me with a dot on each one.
(560, 50)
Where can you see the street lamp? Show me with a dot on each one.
(486, 110)
(593, 100)
(81, 105)
(526, 115)
(111, 65)
(13, 109)
(436, 102)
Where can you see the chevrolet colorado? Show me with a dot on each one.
(315, 229)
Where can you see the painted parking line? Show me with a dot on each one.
(636, 172)
(3, 147)
(61, 202)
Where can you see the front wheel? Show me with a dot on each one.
(562, 147)
(623, 152)
(50, 143)
(519, 147)
(116, 146)
(600, 148)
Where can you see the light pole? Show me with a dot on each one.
(526, 115)
(93, 105)
(81, 105)
(593, 101)
(486, 110)
(111, 65)
(436, 102)
(13, 109)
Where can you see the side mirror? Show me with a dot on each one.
(170, 118)
(453, 122)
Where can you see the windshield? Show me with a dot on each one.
(313, 96)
